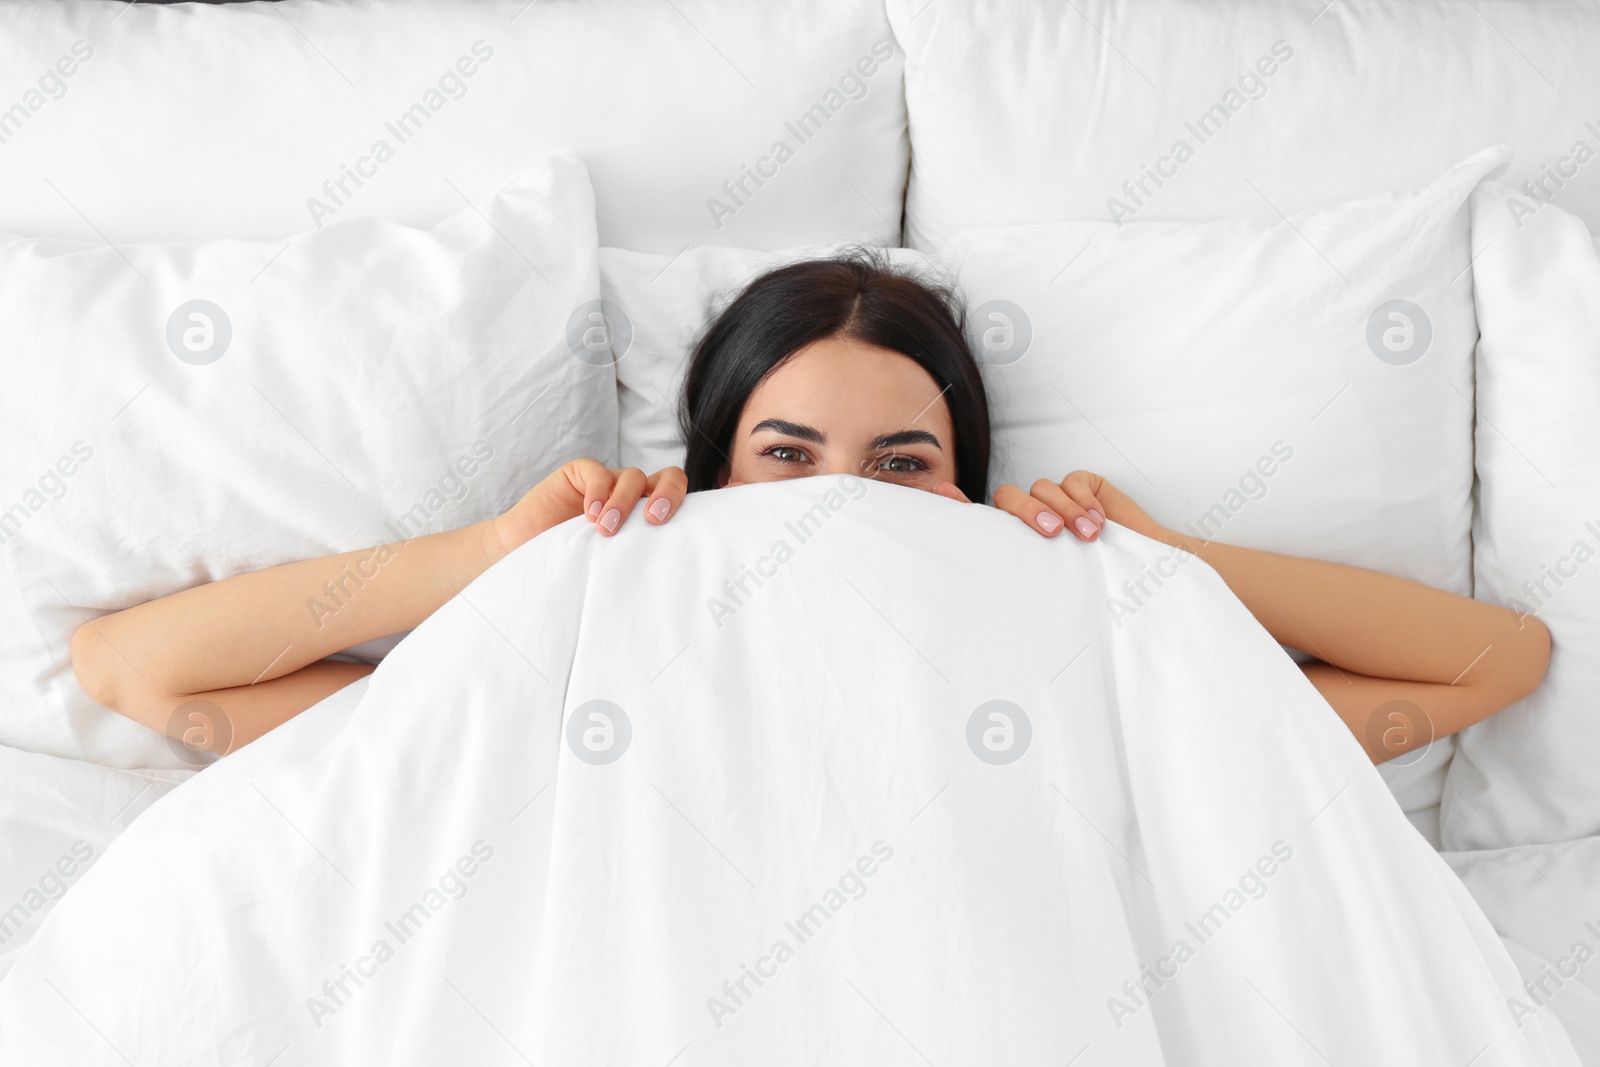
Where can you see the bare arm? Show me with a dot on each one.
(256, 645)
(1377, 639)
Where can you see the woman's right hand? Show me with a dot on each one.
(586, 487)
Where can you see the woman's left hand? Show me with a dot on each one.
(1080, 502)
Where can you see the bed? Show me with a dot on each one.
(275, 274)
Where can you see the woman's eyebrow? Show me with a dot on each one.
(906, 437)
(792, 429)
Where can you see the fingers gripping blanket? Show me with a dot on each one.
(820, 772)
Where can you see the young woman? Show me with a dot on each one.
(820, 367)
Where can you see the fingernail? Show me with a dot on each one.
(1083, 526)
(1048, 522)
(612, 520)
(660, 508)
(594, 509)
(1096, 516)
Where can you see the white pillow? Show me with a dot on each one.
(657, 308)
(276, 112)
(363, 383)
(1233, 378)
(1528, 774)
(1032, 111)
(1174, 359)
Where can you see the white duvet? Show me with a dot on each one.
(791, 780)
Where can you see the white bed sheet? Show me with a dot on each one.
(1544, 901)
(57, 816)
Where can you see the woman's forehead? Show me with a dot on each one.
(849, 383)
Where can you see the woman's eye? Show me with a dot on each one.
(897, 464)
(785, 454)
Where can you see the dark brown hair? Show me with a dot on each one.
(857, 295)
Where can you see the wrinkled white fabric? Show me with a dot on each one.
(798, 832)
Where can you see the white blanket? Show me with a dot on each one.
(820, 772)
(1544, 900)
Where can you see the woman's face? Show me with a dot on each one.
(842, 406)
